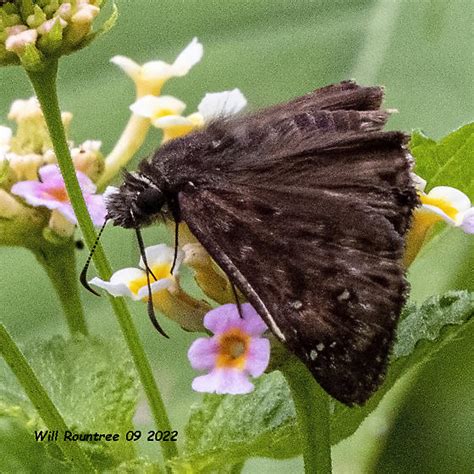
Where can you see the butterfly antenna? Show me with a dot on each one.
(150, 309)
(176, 245)
(236, 296)
(83, 276)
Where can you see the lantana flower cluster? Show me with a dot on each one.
(30, 177)
(31, 31)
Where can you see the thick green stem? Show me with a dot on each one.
(44, 84)
(312, 412)
(59, 261)
(40, 399)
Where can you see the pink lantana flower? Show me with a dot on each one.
(50, 191)
(235, 352)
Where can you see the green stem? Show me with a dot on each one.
(40, 399)
(312, 412)
(59, 261)
(44, 84)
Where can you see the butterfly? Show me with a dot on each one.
(305, 206)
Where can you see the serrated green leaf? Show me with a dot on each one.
(94, 386)
(447, 162)
(229, 429)
(19, 452)
(137, 466)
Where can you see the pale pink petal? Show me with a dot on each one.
(65, 208)
(96, 207)
(223, 381)
(32, 192)
(258, 356)
(253, 323)
(202, 353)
(467, 223)
(86, 184)
(51, 175)
(222, 318)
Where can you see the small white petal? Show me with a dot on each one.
(5, 135)
(161, 253)
(157, 71)
(91, 145)
(436, 210)
(467, 221)
(156, 286)
(118, 289)
(150, 105)
(221, 104)
(171, 121)
(418, 181)
(130, 67)
(453, 196)
(190, 56)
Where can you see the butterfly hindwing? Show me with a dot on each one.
(318, 258)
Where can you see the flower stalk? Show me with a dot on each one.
(40, 399)
(59, 262)
(312, 412)
(44, 84)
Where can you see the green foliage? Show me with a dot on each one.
(227, 429)
(447, 162)
(93, 385)
(224, 430)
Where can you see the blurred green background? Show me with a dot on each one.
(422, 51)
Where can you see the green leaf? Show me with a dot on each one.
(21, 453)
(137, 466)
(94, 386)
(447, 162)
(227, 429)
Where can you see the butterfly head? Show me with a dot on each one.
(136, 203)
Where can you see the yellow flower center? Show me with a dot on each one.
(160, 271)
(163, 113)
(233, 349)
(59, 194)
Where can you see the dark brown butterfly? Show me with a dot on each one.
(305, 206)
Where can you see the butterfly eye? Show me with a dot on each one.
(150, 201)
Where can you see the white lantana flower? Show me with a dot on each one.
(132, 282)
(5, 139)
(445, 203)
(19, 37)
(165, 112)
(22, 109)
(150, 77)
